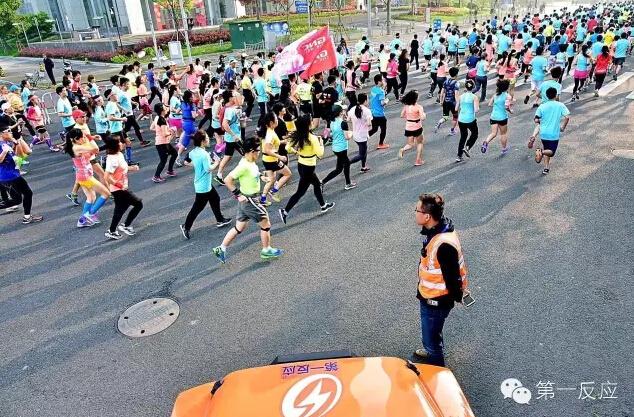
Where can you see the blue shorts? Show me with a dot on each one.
(188, 131)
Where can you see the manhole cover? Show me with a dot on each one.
(148, 317)
(623, 153)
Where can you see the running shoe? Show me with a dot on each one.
(596, 93)
(158, 180)
(31, 219)
(350, 186)
(429, 95)
(185, 232)
(145, 143)
(526, 99)
(421, 353)
(113, 235)
(220, 254)
(221, 223)
(53, 149)
(452, 132)
(418, 162)
(271, 253)
(614, 77)
(87, 220)
(275, 196)
(219, 180)
(326, 207)
(364, 170)
(11, 209)
(283, 215)
(81, 222)
(466, 153)
(94, 219)
(484, 147)
(545, 171)
(133, 163)
(178, 162)
(505, 150)
(440, 122)
(170, 174)
(128, 230)
(265, 203)
(400, 153)
(459, 159)
(383, 146)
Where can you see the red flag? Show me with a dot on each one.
(313, 53)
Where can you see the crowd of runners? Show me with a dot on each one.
(199, 116)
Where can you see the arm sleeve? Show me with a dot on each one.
(448, 260)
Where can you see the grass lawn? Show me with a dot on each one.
(460, 15)
(211, 48)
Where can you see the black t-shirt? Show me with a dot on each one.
(414, 47)
(402, 65)
(329, 96)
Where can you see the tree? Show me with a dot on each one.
(284, 6)
(174, 9)
(254, 4)
(8, 13)
(28, 22)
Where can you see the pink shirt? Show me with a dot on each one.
(392, 69)
(518, 44)
(163, 133)
(413, 116)
(360, 127)
(443, 70)
(118, 167)
(83, 167)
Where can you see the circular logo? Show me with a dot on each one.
(313, 396)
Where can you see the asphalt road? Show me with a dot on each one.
(550, 261)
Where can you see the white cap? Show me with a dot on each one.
(5, 106)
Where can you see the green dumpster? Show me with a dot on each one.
(245, 32)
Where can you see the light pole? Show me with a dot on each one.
(149, 15)
(58, 28)
(38, 28)
(184, 17)
(369, 6)
(24, 31)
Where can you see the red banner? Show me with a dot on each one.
(313, 53)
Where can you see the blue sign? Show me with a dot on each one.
(437, 24)
(279, 28)
(301, 6)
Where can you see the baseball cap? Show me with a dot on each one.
(5, 106)
(14, 88)
(78, 113)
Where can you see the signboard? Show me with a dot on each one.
(278, 28)
(301, 6)
(176, 51)
(437, 24)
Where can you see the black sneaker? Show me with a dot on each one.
(219, 180)
(283, 215)
(466, 153)
(327, 207)
(113, 235)
(223, 223)
(185, 232)
(31, 219)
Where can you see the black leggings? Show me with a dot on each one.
(570, 59)
(392, 83)
(379, 122)
(164, 151)
(307, 177)
(343, 164)
(414, 57)
(208, 117)
(599, 78)
(132, 123)
(440, 82)
(432, 86)
(362, 155)
(465, 128)
(155, 93)
(202, 199)
(249, 99)
(262, 107)
(403, 81)
(123, 199)
(579, 83)
(19, 192)
(29, 126)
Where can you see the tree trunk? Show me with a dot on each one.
(257, 9)
(388, 9)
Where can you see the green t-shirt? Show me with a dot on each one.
(248, 175)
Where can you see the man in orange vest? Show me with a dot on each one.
(442, 275)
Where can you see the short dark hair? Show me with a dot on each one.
(433, 204)
(112, 146)
(378, 78)
(199, 137)
(453, 71)
(59, 89)
(551, 93)
(250, 144)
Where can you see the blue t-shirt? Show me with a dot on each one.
(188, 112)
(581, 33)
(259, 86)
(550, 115)
(534, 43)
(462, 44)
(125, 103)
(564, 39)
(150, 78)
(452, 43)
(539, 65)
(231, 115)
(467, 108)
(596, 49)
(176, 104)
(8, 170)
(337, 129)
(25, 96)
(201, 161)
(101, 120)
(620, 48)
(450, 86)
(63, 106)
(377, 95)
(94, 89)
(545, 86)
(499, 107)
(583, 63)
(473, 37)
(481, 70)
(276, 89)
(554, 48)
(112, 109)
(570, 50)
(427, 45)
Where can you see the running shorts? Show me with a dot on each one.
(536, 85)
(550, 145)
(230, 148)
(88, 183)
(413, 133)
(273, 166)
(176, 123)
(448, 107)
(619, 61)
(251, 209)
(499, 122)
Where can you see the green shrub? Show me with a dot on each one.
(120, 59)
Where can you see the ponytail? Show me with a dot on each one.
(358, 111)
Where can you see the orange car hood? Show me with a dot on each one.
(350, 387)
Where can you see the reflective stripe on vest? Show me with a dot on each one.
(431, 283)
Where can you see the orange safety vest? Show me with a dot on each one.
(431, 283)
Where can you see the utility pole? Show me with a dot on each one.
(184, 17)
(388, 25)
(369, 6)
(149, 15)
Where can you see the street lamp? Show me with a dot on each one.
(184, 17)
(58, 28)
(17, 24)
(38, 28)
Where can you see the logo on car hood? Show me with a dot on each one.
(313, 396)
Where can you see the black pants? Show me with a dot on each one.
(343, 164)
(49, 72)
(481, 85)
(599, 78)
(131, 123)
(352, 98)
(202, 199)
(379, 122)
(155, 93)
(434, 78)
(569, 65)
(465, 128)
(29, 126)
(440, 82)
(250, 100)
(165, 150)
(123, 199)
(403, 80)
(307, 177)
(362, 155)
(413, 57)
(207, 118)
(262, 107)
(392, 83)
(19, 192)
(578, 85)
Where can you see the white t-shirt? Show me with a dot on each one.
(360, 126)
(117, 166)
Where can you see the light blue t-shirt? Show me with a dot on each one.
(583, 63)
(275, 87)
(539, 65)
(620, 48)
(504, 43)
(545, 86)
(94, 90)
(427, 45)
(534, 44)
(259, 86)
(175, 103)
(112, 109)
(101, 120)
(377, 95)
(125, 103)
(63, 106)
(201, 161)
(570, 50)
(499, 107)
(563, 40)
(462, 44)
(581, 33)
(231, 115)
(481, 70)
(596, 49)
(550, 115)
(452, 43)
(25, 96)
(339, 142)
(467, 108)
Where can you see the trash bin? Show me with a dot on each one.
(245, 32)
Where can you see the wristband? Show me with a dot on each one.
(236, 191)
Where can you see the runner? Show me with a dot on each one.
(248, 176)
(548, 119)
(117, 179)
(481, 79)
(162, 142)
(448, 100)
(308, 148)
(403, 68)
(621, 48)
(361, 118)
(377, 106)
(231, 128)
(392, 76)
(467, 106)
(340, 137)
(499, 116)
(35, 115)
(414, 114)
(274, 162)
(115, 120)
(189, 110)
(125, 102)
(602, 66)
(582, 64)
(539, 66)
